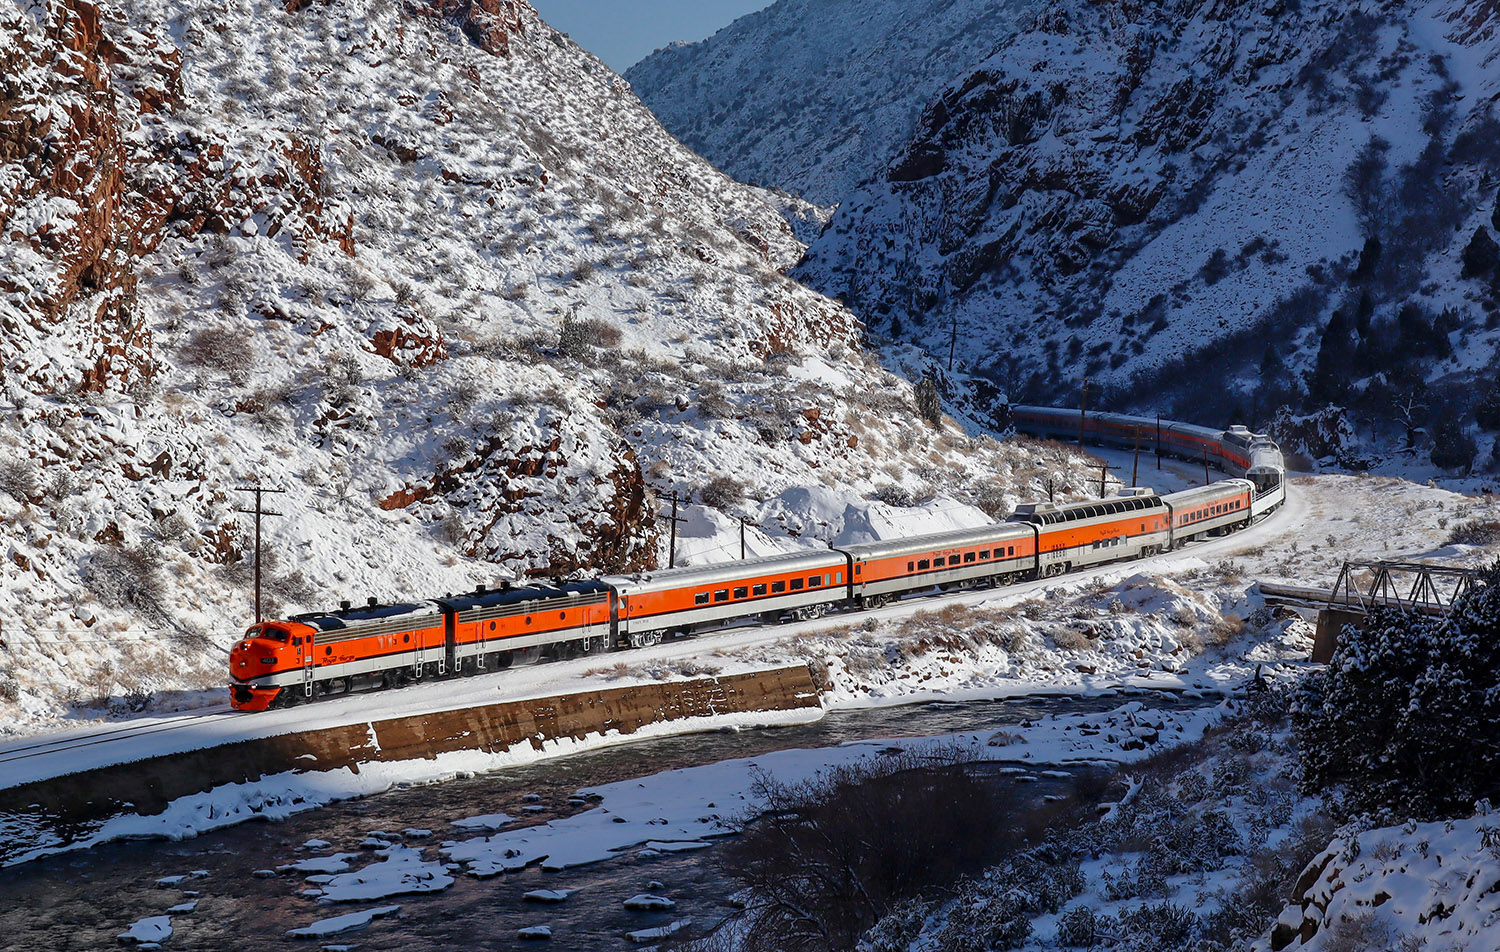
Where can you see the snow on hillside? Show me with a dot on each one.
(815, 97)
(1175, 199)
(429, 268)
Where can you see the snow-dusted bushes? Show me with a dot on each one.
(1403, 717)
(833, 855)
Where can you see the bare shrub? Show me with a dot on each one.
(18, 477)
(722, 492)
(817, 878)
(1474, 532)
(128, 577)
(579, 336)
(1225, 630)
(1071, 640)
(223, 349)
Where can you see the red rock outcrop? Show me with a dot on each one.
(488, 23)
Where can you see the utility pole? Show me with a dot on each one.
(1083, 405)
(742, 538)
(1158, 439)
(1104, 469)
(1205, 466)
(1135, 466)
(672, 548)
(952, 341)
(258, 512)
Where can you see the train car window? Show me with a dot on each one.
(492, 624)
(969, 556)
(911, 566)
(838, 578)
(777, 588)
(528, 619)
(758, 590)
(406, 638)
(722, 595)
(923, 565)
(814, 581)
(701, 598)
(742, 592)
(796, 585)
(984, 554)
(562, 614)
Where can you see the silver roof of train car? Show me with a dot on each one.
(691, 575)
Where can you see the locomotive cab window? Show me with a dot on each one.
(758, 590)
(777, 588)
(701, 598)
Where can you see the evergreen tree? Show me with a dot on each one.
(1404, 715)
(1335, 355)
(1369, 257)
(1487, 410)
(897, 331)
(1481, 256)
(1452, 448)
(1272, 365)
(929, 403)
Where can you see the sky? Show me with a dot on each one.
(622, 33)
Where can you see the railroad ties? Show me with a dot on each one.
(1363, 586)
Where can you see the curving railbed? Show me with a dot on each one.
(322, 653)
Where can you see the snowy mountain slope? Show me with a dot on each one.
(814, 97)
(1135, 192)
(428, 268)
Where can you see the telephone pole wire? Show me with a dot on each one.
(258, 512)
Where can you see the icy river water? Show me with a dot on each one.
(84, 900)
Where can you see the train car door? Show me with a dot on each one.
(305, 655)
(450, 640)
(619, 617)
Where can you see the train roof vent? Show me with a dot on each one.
(1032, 508)
(1137, 491)
(344, 605)
(372, 601)
(1239, 429)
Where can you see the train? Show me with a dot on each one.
(288, 661)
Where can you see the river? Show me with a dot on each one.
(83, 900)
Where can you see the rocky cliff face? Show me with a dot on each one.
(1135, 192)
(428, 268)
(815, 97)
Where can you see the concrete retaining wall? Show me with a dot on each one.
(149, 785)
